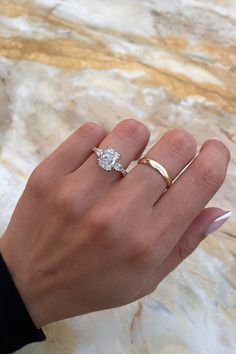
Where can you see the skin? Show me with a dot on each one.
(82, 239)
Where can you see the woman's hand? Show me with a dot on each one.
(82, 239)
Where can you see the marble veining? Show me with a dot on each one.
(168, 63)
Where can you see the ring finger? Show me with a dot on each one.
(175, 150)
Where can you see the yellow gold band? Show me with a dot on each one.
(158, 167)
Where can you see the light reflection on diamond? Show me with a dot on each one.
(108, 159)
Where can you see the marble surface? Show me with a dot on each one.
(168, 63)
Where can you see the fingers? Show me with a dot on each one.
(74, 150)
(65, 159)
(191, 192)
(208, 221)
(174, 151)
(128, 138)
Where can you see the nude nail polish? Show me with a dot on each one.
(218, 222)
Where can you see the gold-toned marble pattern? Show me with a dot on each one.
(168, 63)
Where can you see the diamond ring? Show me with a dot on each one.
(109, 159)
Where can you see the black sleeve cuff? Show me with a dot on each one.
(16, 326)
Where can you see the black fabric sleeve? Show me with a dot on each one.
(16, 326)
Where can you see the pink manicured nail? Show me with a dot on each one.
(218, 222)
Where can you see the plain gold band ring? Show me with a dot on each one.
(158, 167)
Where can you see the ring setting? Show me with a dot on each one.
(108, 159)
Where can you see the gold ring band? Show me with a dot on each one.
(158, 167)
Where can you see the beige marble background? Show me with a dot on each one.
(168, 63)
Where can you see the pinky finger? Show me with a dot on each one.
(208, 221)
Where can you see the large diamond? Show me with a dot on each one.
(108, 159)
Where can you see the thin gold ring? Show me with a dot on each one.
(158, 167)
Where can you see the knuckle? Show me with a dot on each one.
(108, 216)
(92, 128)
(181, 142)
(99, 219)
(65, 202)
(39, 183)
(134, 129)
(140, 249)
(210, 174)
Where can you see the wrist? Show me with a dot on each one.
(22, 282)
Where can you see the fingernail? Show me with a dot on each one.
(218, 222)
